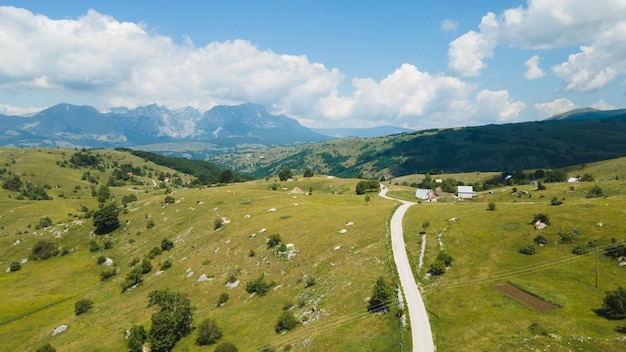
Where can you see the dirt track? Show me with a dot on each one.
(533, 302)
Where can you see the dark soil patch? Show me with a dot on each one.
(532, 301)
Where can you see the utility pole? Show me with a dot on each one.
(438, 300)
(596, 267)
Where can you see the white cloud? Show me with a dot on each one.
(405, 97)
(466, 54)
(554, 107)
(533, 71)
(597, 27)
(602, 105)
(18, 110)
(449, 25)
(498, 106)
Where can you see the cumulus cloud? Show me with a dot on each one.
(554, 107)
(498, 106)
(18, 110)
(449, 25)
(127, 65)
(602, 105)
(407, 96)
(548, 24)
(533, 71)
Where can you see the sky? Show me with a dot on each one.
(327, 64)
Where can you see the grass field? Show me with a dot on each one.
(338, 238)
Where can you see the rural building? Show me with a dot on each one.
(465, 191)
(572, 179)
(425, 194)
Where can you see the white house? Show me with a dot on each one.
(465, 191)
(425, 194)
(572, 179)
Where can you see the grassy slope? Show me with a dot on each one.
(42, 294)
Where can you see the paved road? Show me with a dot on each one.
(420, 326)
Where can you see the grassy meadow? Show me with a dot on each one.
(334, 236)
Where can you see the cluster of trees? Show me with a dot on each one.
(365, 186)
(27, 189)
(441, 264)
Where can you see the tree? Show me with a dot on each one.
(166, 244)
(172, 321)
(226, 347)
(285, 174)
(308, 172)
(136, 338)
(106, 219)
(614, 304)
(491, 206)
(15, 266)
(260, 286)
(382, 295)
(12, 183)
(273, 241)
(226, 176)
(437, 268)
(103, 193)
(286, 322)
(82, 306)
(445, 257)
(208, 332)
(132, 278)
(43, 250)
(595, 192)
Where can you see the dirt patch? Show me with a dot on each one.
(532, 301)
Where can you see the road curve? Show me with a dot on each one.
(420, 326)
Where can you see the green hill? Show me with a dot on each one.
(333, 248)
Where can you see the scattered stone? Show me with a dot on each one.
(17, 242)
(453, 219)
(350, 223)
(262, 230)
(252, 235)
(336, 248)
(158, 273)
(232, 285)
(189, 274)
(600, 224)
(247, 216)
(343, 231)
(204, 278)
(59, 330)
(108, 262)
(24, 261)
(540, 225)
(272, 210)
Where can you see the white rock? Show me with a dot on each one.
(17, 242)
(336, 248)
(59, 330)
(272, 210)
(343, 231)
(24, 261)
(204, 278)
(232, 284)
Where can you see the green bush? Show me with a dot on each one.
(155, 251)
(614, 304)
(382, 296)
(437, 268)
(166, 244)
(580, 250)
(596, 192)
(540, 239)
(15, 266)
(44, 222)
(541, 217)
(93, 246)
(101, 260)
(491, 206)
(445, 257)
(218, 223)
(107, 274)
(132, 278)
(46, 348)
(43, 250)
(260, 286)
(208, 332)
(286, 322)
(273, 241)
(146, 266)
(527, 249)
(136, 337)
(82, 306)
(226, 347)
(166, 264)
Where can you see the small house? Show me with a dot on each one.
(572, 179)
(425, 194)
(465, 192)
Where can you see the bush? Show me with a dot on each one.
(580, 250)
(208, 332)
(43, 250)
(540, 239)
(222, 299)
(527, 249)
(108, 244)
(93, 246)
(614, 304)
(382, 296)
(310, 281)
(150, 224)
(273, 241)
(596, 192)
(226, 347)
(491, 206)
(155, 251)
(169, 200)
(15, 266)
(566, 237)
(106, 219)
(218, 223)
(260, 286)
(82, 306)
(146, 266)
(136, 338)
(44, 222)
(166, 244)
(172, 321)
(107, 274)
(166, 264)
(616, 251)
(437, 268)
(541, 217)
(101, 260)
(132, 278)
(46, 348)
(286, 322)
(445, 257)
(555, 201)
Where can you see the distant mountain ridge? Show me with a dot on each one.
(67, 125)
(362, 132)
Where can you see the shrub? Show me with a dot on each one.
(616, 251)
(222, 299)
(166, 264)
(146, 266)
(150, 223)
(136, 337)
(527, 249)
(106, 219)
(172, 321)
(43, 250)
(555, 201)
(540, 239)
(260, 286)
(566, 237)
(208, 332)
(273, 241)
(580, 250)
(382, 295)
(445, 257)
(614, 304)
(107, 274)
(166, 244)
(46, 348)
(437, 268)
(541, 217)
(44, 222)
(218, 223)
(226, 347)
(93, 246)
(310, 281)
(108, 244)
(82, 306)
(132, 278)
(15, 266)
(286, 322)
(596, 192)
(491, 206)
(155, 251)
(169, 200)
(101, 260)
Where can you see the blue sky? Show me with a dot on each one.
(416, 64)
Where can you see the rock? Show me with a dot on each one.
(204, 278)
(343, 231)
(231, 285)
(59, 330)
(24, 261)
(108, 262)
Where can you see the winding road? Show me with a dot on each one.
(420, 326)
